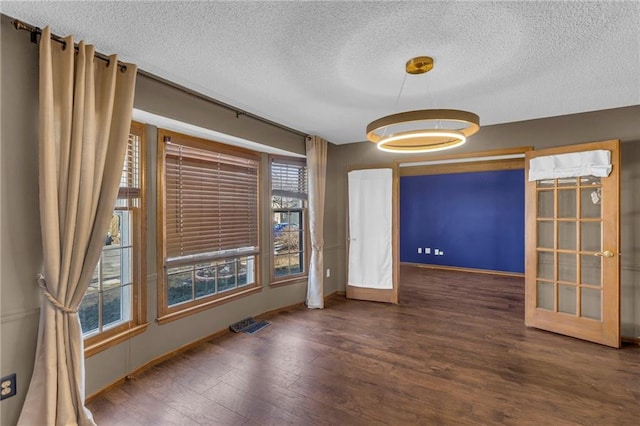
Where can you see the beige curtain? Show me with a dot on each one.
(317, 169)
(85, 115)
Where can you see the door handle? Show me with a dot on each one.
(606, 253)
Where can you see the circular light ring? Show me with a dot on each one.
(471, 121)
(422, 141)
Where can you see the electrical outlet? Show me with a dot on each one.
(8, 386)
(419, 250)
(328, 273)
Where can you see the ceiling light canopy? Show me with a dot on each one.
(424, 130)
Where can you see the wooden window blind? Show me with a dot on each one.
(289, 178)
(130, 180)
(211, 202)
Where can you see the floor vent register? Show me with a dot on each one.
(248, 325)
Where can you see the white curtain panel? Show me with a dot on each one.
(573, 164)
(85, 116)
(370, 227)
(317, 171)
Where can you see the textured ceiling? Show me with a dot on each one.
(330, 68)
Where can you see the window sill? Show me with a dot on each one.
(289, 281)
(106, 343)
(190, 310)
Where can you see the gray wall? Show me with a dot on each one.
(20, 247)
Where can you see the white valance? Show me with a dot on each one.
(574, 164)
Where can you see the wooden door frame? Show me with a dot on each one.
(612, 300)
(463, 162)
(373, 294)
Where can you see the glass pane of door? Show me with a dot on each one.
(590, 237)
(545, 234)
(568, 245)
(545, 204)
(567, 299)
(546, 265)
(591, 303)
(567, 235)
(545, 295)
(567, 203)
(590, 270)
(590, 202)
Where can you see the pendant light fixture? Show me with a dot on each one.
(424, 130)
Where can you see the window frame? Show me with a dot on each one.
(137, 323)
(275, 281)
(168, 313)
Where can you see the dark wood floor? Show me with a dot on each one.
(455, 351)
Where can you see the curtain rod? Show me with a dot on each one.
(35, 32)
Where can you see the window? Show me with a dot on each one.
(288, 207)
(209, 217)
(114, 307)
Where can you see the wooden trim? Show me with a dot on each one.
(207, 144)
(270, 313)
(369, 167)
(461, 269)
(530, 251)
(395, 230)
(296, 161)
(490, 153)
(106, 343)
(258, 258)
(631, 340)
(203, 306)
(616, 162)
(471, 167)
(141, 234)
(298, 279)
(160, 232)
(106, 389)
(372, 294)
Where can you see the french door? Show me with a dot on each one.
(572, 277)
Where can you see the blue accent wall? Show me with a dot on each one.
(476, 219)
